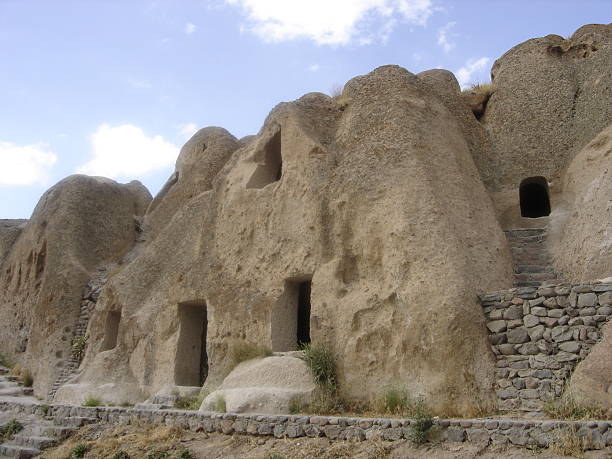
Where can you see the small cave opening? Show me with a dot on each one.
(272, 168)
(290, 325)
(191, 360)
(534, 199)
(111, 330)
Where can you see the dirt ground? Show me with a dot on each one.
(155, 442)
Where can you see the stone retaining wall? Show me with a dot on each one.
(539, 334)
(529, 433)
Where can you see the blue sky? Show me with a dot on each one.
(115, 87)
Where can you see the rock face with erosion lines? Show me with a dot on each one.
(375, 223)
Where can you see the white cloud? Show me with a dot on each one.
(25, 165)
(140, 84)
(445, 37)
(336, 22)
(314, 67)
(190, 28)
(126, 152)
(471, 68)
(187, 130)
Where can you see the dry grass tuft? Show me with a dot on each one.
(143, 441)
(568, 407)
(189, 402)
(241, 352)
(485, 89)
(569, 443)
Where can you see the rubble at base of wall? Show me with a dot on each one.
(527, 433)
(539, 335)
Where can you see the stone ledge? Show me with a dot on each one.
(529, 433)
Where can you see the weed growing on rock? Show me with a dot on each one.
(395, 400)
(485, 89)
(44, 409)
(79, 450)
(8, 430)
(157, 455)
(78, 347)
(185, 454)
(92, 401)
(242, 352)
(322, 364)
(296, 406)
(26, 378)
(220, 406)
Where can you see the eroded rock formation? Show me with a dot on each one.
(369, 222)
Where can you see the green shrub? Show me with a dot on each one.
(423, 422)
(295, 405)
(189, 402)
(121, 455)
(8, 430)
(220, 406)
(92, 401)
(243, 351)
(185, 454)
(78, 347)
(157, 455)
(322, 364)
(79, 450)
(395, 400)
(44, 409)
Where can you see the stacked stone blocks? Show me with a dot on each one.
(530, 433)
(539, 334)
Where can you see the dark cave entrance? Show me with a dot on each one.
(290, 321)
(533, 194)
(191, 361)
(111, 330)
(303, 313)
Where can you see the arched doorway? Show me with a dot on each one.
(533, 194)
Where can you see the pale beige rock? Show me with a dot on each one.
(581, 233)
(550, 98)
(353, 204)
(201, 158)
(9, 231)
(591, 382)
(78, 225)
(266, 385)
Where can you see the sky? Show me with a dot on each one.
(116, 87)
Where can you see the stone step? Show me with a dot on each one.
(74, 421)
(528, 284)
(52, 431)
(32, 441)
(533, 269)
(529, 277)
(19, 452)
(520, 232)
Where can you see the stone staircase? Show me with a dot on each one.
(39, 431)
(88, 303)
(532, 262)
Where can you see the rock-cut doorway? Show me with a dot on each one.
(534, 198)
(191, 360)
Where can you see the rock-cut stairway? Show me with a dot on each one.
(532, 262)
